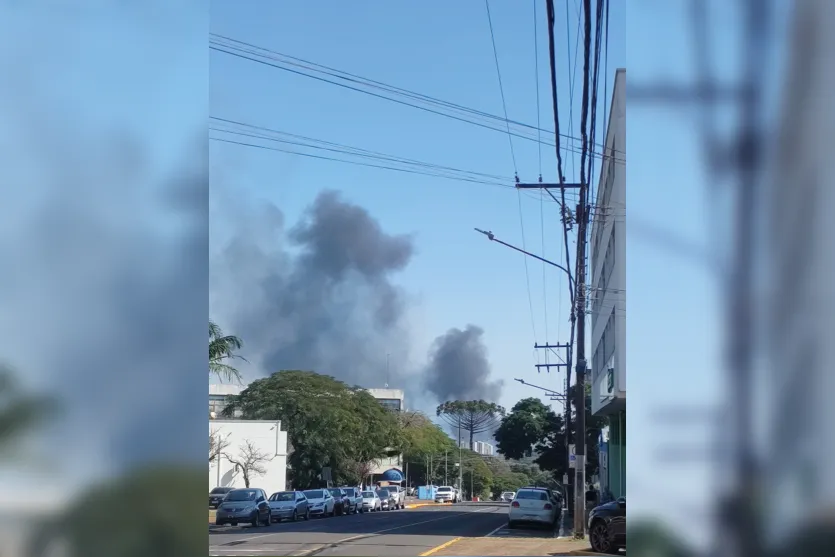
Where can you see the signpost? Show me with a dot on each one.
(572, 457)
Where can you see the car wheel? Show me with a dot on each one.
(295, 516)
(256, 520)
(233, 524)
(599, 537)
(268, 519)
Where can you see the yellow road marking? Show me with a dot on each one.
(440, 547)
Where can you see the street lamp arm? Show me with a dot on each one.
(549, 392)
(493, 238)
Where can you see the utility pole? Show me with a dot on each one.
(566, 401)
(446, 467)
(580, 382)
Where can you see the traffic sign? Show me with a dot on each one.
(572, 457)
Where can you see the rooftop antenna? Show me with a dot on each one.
(387, 371)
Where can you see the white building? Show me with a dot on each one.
(258, 441)
(483, 448)
(608, 288)
(800, 456)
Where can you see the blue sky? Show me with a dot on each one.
(441, 49)
(457, 277)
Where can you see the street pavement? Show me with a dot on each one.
(409, 532)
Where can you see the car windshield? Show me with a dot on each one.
(368, 494)
(336, 492)
(531, 494)
(220, 490)
(242, 495)
(283, 496)
(383, 490)
(314, 494)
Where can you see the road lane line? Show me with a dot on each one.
(496, 530)
(440, 547)
(371, 534)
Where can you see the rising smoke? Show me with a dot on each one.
(458, 368)
(319, 296)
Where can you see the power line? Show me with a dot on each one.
(250, 53)
(501, 88)
(357, 163)
(343, 149)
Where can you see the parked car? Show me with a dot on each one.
(343, 504)
(446, 494)
(244, 505)
(399, 496)
(371, 501)
(387, 499)
(217, 495)
(288, 504)
(532, 506)
(607, 526)
(555, 496)
(507, 496)
(320, 502)
(355, 497)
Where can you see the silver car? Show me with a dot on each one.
(290, 505)
(371, 502)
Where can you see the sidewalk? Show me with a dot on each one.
(488, 547)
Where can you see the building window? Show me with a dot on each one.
(390, 403)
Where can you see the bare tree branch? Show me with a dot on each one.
(250, 461)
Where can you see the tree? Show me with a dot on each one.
(20, 412)
(532, 428)
(250, 461)
(217, 445)
(420, 438)
(476, 475)
(523, 428)
(222, 348)
(328, 423)
(472, 416)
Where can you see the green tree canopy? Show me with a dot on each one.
(472, 416)
(222, 349)
(328, 423)
(532, 428)
(475, 474)
(419, 436)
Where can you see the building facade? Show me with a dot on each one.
(259, 441)
(607, 291)
(218, 395)
(483, 448)
(799, 446)
(394, 400)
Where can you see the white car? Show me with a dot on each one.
(320, 502)
(507, 496)
(371, 502)
(446, 494)
(532, 506)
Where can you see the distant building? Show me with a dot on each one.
(608, 289)
(483, 448)
(268, 442)
(218, 395)
(394, 400)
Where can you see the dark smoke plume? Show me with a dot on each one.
(458, 368)
(318, 296)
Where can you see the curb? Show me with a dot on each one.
(584, 552)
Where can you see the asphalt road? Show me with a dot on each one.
(407, 532)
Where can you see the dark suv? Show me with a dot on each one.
(343, 503)
(607, 526)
